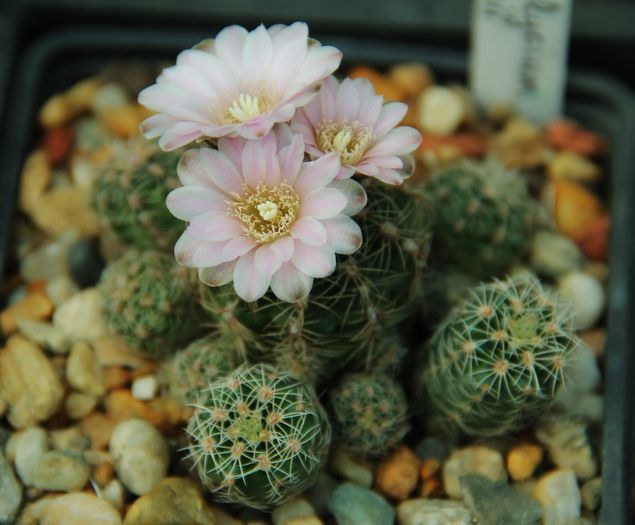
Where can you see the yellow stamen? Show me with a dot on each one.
(245, 107)
(349, 140)
(268, 210)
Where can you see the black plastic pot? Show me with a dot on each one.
(58, 60)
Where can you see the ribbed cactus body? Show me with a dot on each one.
(192, 369)
(369, 413)
(258, 436)
(346, 314)
(484, 217)
(498, 359)
(129, 196)
(149, 301)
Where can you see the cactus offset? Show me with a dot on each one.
(258, 436)
(192, 369)
(484, 217)
(369, 413)
(129, 196)
(347, 313)
(499, 358)
(148, 301)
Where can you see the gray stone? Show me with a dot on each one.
(354, 505)
(351, 468)
(433, 512)
(60, 471)
(480, 460)
(432, 448)
(10, 492)
(496, 503)
(553, 254)
(85, 263)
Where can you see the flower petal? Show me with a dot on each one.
(195, 253)
(229, 45)
(398, 141)
(347, 101)
(290, 284)
(323, 204)
(257, 54)
(354, 193)
(317, 174)
(290, 158)
(283, 248)
(237, 247)
(313, 261)
(391, 114)
(248, 283)
(266, 261)
(309, 230)
(209, 168)
(214, 227)
(343, 234)
(188, 201)
(217, 275)
(254, 163)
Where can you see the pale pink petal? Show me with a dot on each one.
(209, 168)
(214, 69)
(370, 110)
(309, 230)
(257, 54)
(283, 248)
(346, 172)
(156, 125)
(311, 114)
(233, 150)
(386, 161)
(343, 234)
(217, 275)
(367, 168)
(170, 141)
(323, 204)
(214, 226)
(313, 261)
(327, 99)
(290, 48)
(317, 174)
(347, 101)
(391, 114)
(254, 163)
(291, 158)
(398, 141)
(320, 62)
(228, 46)
(248, 283)
(237, 247)
(290, 284)
(393, 177)
(308, 134)
(355, 195)
(195, 253)
(266, 261)
(188, 201)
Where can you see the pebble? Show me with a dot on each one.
(496, 503)
(479, 460)
(383, 84)
(114, 493)
(85, 263)
(574, 207)
(568, 136)
(65, 208)
(44, 334)
(553, 254)
(441, 110)
(80, 317)
(48, 260)
(124, 121)
(568, 444)
(145, 388)
(412, 78)
(569, 165)
(77, 508)
(69, 439)
(352, 469)
(36, 176)
(112, 351)
(587, 297)
(353, 505)
(297, 511)
(174, 501)
(432, 448)
(29, 446)
(596, 340)
(35, 305)
(10, 491)
(592, 493)
(520, 144)
(108, 97)
(83, 371)
(79, 405)
(97, 427)
(576, 395)
(83, 172)
(57, 143)
(522, 461)
(594, 239)
(140, 455)
(29, 401)
(558, 493)
(103, 473)
(116, 377)
(433, 512)
(60, 471)
(60, 288)
(398, 474)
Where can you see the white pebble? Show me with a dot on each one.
(113, 493)
(587, 298)
(80, 318)
(441, 110)
(553, 254)
(29, 448)
(109, 96)
(145, 388)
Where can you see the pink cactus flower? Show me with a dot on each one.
(353, 121)
(240, 85)
(261, 216)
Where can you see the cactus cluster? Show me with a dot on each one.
(148, 300)
(484, 217)
(369, 413)
(258, 436)
(498, 359)
(200, 363)
(347, 314)
(129, 196)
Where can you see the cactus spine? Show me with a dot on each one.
(499, 358)
(258, 436)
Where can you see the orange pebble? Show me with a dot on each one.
(576, 208)
(383, 84)
(124, 121)
(470, 144)
(594, 239)
(429, 468)
(103, 473)
(36, 305)
(57, 143)
(566, 135)
(97, 427)
(522, 461)
(397, 475)
(431, 487)
(116, 377)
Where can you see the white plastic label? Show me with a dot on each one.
(519, 55)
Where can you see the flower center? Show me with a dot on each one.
(266, 213)
(246, 107)
(350, 141)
